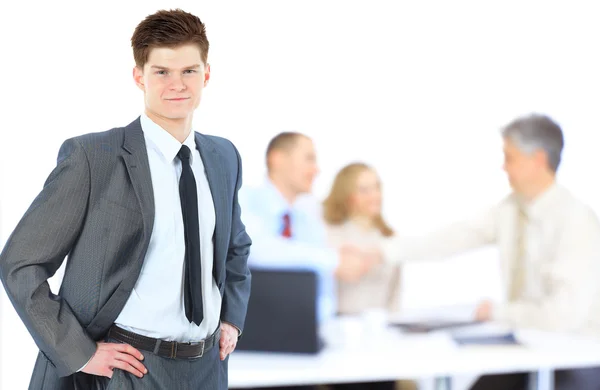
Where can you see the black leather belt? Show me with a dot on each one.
(168, 349)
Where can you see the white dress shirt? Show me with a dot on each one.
(562, 259)
(263, 210)
(155, 307)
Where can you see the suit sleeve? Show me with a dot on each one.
(237, 279)
(36, 249)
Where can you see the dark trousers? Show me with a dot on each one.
(577, 379)
(205, 373)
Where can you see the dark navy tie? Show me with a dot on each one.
(192, 281)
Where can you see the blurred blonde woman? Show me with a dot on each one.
(353, 215)
(352, 212)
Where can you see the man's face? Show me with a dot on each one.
(521, 168)
(172, 80)
(299, 166)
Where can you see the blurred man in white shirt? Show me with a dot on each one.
(549, 244)
(287, 226)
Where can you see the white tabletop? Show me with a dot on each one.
(391, 355)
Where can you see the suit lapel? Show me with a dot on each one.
(214, 166)
(138, 167)
(135, 158)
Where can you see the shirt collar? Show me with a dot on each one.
(277, 203)
(164, 142)
(543, 203)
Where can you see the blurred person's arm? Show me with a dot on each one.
(270, 250)
(369, 257)
(571, 280)
(273, 251)
(451, 240)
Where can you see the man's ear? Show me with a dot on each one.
(206, 74)
(138, 78)
(541, 158)
(276, 158)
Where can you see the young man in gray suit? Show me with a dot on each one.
(155, 290)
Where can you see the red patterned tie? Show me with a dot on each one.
(287, 226)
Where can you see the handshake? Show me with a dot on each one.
(354, 262)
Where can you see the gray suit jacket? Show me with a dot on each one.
(97, 207)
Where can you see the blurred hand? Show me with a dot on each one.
(229, 338)
(484, 311)
(109, 356)
(373, 257)
(352, 264)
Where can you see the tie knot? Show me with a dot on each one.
(184, 153)
(523, 213)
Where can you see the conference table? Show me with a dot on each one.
(391, 354)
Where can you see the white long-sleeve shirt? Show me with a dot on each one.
(155, 307)
(562, 258)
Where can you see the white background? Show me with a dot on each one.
(417, 89)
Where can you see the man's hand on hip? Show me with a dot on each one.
(109, 356)
(229, 337)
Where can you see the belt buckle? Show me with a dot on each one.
(202, 352)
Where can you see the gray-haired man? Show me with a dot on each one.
(549, 247)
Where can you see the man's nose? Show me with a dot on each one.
(177, 83)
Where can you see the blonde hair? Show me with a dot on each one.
(335, 206)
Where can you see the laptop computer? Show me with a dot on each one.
(433, 319)
(282, 312)
(458, 322)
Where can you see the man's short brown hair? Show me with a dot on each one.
(171, 28)
(285, 141)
